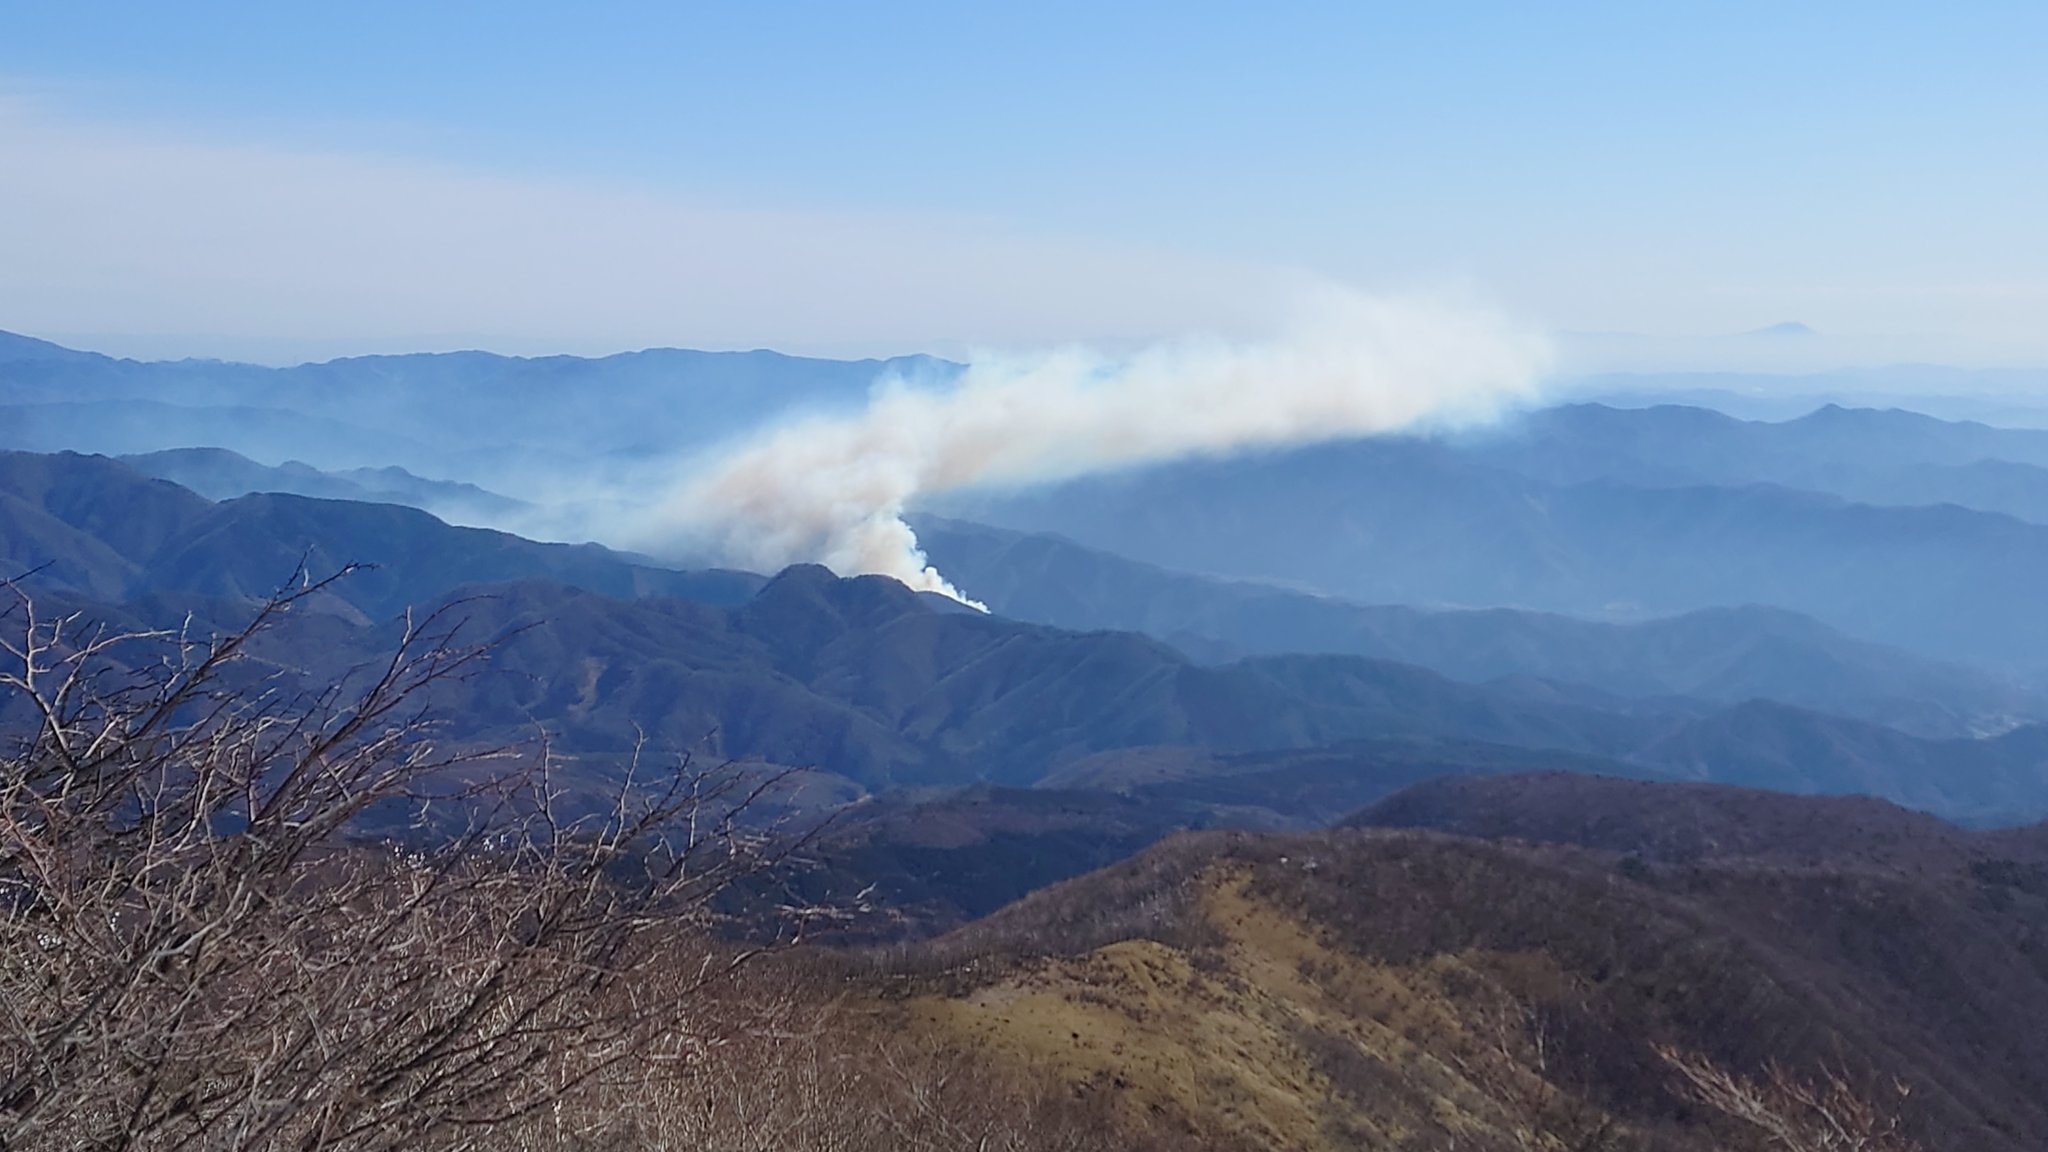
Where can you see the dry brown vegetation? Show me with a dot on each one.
(1411, 990)
(1821, 1113)
(195, 953)
(790, 1055)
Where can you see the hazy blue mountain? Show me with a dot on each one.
(1787, 328)
(136, 425)
(2005, 397)
(95, 526)
(1722, 654)
(88, 523)
(465, 415)
(1424, 522)
(219, 474)
(1872, 456)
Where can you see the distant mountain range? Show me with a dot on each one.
(1492, 523)
(880, 687)
(1718, 654)
(2004, 397)
(218, 474)
(474, 416)
(1722, 655)
(1871, 456)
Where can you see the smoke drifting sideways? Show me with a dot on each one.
(834, 489)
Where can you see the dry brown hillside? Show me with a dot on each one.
(1412, 990)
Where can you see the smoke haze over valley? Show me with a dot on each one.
(835, 489)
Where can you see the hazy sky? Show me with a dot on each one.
(275, 180)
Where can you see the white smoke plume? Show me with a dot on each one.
(833, 490)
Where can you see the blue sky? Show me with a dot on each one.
(843, 177)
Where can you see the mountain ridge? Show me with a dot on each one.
(866, 680)
(1728, 654)
(1409, 986)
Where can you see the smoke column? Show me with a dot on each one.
(834, 489)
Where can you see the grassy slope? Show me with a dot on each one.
(1406, 989)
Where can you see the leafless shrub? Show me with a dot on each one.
(195, 953)
(1823, 1113)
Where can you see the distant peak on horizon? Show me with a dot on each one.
(1784, 328)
